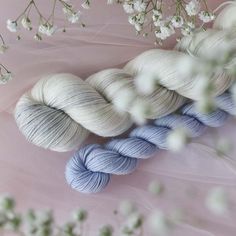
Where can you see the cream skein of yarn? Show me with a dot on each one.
(60, 110)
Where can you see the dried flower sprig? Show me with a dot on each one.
(5, 74)
(46, 26)
(151, 16)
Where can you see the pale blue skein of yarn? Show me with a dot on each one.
(90, 169)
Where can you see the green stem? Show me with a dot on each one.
(30, 3)
(2, 39)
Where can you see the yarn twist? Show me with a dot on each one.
(90, 169)
(60, 110)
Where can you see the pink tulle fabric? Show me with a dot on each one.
(36, 176)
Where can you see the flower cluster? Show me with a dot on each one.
(152, 14)
(131, 221)
(46, 26)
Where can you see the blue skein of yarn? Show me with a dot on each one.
(90, 169)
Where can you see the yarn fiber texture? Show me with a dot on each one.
(60, 110)
(90, 169)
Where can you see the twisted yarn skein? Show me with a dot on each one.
(60, 110)
(90, 169)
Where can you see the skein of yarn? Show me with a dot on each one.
(60, 110)
(90, 169)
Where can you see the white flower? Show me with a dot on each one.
(26, 23)
(206, 16)
(12, 26)
(217, 201)
(4, 78)
(86, 4)
(139, 111)
(159, 223)
(47, 29)
(38, 37)
(110, 1)
(165, 32)
(145, 83)
(138, 27)
(132, 19)
(187, 29)
(3, 48)
(128, 7)
(140, 18)
(74, 17)
(124, 99)
(155, 188)
(177, 139)
(193, 7)
(126, 208)
(177, 21)
(139, 6)
(156, 16)
(134, 221)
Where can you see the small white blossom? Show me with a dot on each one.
(140, 18)
(3, 48)
(217, 201)
(111, 1)
(188, 29)
(139, 111)
(159, 223)
(156, 17)
(145, 83)
(38, 37)
(165, 32)
(47, 29)
(177, 139)
(140, 5)
(12, 26)
(193, 7)
(177, 21)
(134, 221)
(124, 99)
(74, 17)
(206, 16)
(26, 23)
(86, 4)
(132, 19)
(155, 188)
(128, 7)
(4, 78)
(127, 208)
(138, 27)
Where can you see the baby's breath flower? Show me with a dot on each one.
(155, 188)
(47, 29)
(193, 7)
(106, 230)
(134, 221)
(86, 4)
(177, 21)
(12, 25)
(38, 37)
(187, 29)
(4, 78)
(159, 223)
(26, 23)
(165, 32)
(80, 215)
(6, 202)
(74, 17)
(217, 201)
(177, 139)
(140, 5)
(206, 16)
(3, 48)
(128, 7)
(126, 208)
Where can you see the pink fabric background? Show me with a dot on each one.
(36, 176)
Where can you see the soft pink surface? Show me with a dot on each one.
(36, 176)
